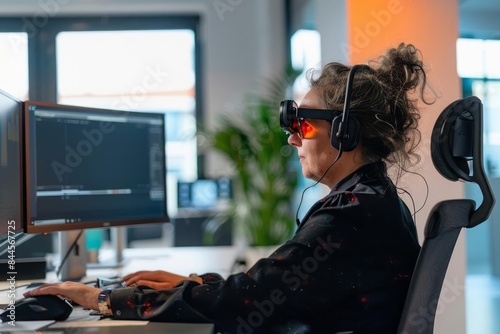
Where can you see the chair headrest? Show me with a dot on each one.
(457, 143)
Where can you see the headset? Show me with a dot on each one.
(345, 129)
(456, 141)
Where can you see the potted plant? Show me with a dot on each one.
(264, 181)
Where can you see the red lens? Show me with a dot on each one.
(308, 131)
(302, 128)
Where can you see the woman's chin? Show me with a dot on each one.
(307, 174)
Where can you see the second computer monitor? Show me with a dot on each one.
(11, 196)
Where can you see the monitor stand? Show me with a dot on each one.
(118, 241)
(72, 245)
(73, 252)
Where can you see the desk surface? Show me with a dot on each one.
(150, 328)
(88, 322)
(125, 328)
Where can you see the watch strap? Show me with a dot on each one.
(102, 302)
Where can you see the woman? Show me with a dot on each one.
(348, 266)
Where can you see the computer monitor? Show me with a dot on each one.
(202, 218)
(11, 196)
(92, 168)
(203, 194)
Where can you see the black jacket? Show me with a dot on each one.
(347, 268)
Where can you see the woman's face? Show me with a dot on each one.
(316, 154)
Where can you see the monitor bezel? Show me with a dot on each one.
(29, 228)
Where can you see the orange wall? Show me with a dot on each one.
(432, 26)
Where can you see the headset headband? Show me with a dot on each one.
(343, 135)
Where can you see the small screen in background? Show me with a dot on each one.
(205, 194)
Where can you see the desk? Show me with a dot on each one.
(181, 260)
(85, 322)
(150, 328)
(123, 328)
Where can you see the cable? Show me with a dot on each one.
(415, 210)
(24, 238)
(74, 244)
(309, 187)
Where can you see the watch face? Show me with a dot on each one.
(103, 295)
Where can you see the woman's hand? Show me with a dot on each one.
(158, 279)
(79, 293)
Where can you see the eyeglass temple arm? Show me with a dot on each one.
(328, 115)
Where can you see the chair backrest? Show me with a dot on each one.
(456, 146)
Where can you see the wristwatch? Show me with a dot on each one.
(195, 277)
(103, 302)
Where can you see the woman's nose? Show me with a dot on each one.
(294, 140)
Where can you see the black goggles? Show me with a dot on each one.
(292, 117)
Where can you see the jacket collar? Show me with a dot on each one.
(362, 174)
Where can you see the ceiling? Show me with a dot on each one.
(479, 19)
(480, 4)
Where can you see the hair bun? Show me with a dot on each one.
(401, 68)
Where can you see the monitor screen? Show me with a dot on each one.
(11, 204)
(90, 167)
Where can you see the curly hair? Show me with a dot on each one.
(381, 100)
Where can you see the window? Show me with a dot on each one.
(130, 63)
(477, 65)
(306, 54)
(14, 64)
(478, 58)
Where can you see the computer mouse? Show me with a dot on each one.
(44, 307)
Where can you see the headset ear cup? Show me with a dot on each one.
(352, 134)
(333, 135)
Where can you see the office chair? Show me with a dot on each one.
(456, 145)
